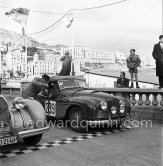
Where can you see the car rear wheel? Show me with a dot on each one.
(33, 140)
(77, 119)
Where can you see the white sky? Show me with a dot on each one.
(132, 24)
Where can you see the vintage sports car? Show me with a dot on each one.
(70, 98)
(25, 120)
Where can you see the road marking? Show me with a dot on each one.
(43, 146)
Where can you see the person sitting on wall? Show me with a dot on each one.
(122, 82)
(66, 65)
(36, 86)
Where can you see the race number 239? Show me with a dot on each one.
(50, 108)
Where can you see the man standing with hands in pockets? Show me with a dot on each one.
(133, 61)
(158, 56)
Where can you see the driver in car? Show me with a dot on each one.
(36, 86)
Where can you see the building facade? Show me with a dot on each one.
(37, 66)
(16, 60)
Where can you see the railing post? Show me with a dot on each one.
(133, 99)
(0, 85)
(155, 102)
(161, 102)
(147, 101)
(140, 101)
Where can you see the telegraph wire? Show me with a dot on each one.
(97, 7)
(45, 12)
(35, 33)
(88, 8)
(35, 11)
(75, 9)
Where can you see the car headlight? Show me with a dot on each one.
(19, 103)
(103, 105)
(113, 110)
(122, 106)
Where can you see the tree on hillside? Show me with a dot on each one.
(31, 51)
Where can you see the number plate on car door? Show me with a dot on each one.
(50, 108)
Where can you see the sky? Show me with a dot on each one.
(132, 24)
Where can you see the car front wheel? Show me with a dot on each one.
(33, 140)
(77, 119)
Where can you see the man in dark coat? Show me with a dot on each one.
(36, 86)
(122, 82)
(66, 65)
(158, 56)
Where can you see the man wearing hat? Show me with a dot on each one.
(158, 56)
(66, 65)
(36, 86)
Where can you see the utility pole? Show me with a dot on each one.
(0, 69)
(72, 45)
(72, 40)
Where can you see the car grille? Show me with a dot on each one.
(111, 103)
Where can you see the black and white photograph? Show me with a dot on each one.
(81, 82)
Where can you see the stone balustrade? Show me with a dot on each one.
(138, 97)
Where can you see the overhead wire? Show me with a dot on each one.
(52, 24)
(101, 6)
(35, 11)
(75, 9)
(88, 8)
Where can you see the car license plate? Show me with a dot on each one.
(50, 108)
(8, 140)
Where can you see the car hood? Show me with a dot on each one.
(91, 93)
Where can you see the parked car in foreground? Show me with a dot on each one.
(70, 98)
(25, 120)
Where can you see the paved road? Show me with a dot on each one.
(133, 147)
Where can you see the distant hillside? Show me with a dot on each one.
(9, 36)
(13, 37)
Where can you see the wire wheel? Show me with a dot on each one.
(77, 119)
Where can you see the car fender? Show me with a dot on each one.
(20, 120)
(36, 111)
(87, 104)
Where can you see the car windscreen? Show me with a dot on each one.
(81, 83)
(72, 83)
(64, 84)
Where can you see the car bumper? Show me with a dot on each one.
(109, 121)
(33, 132)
